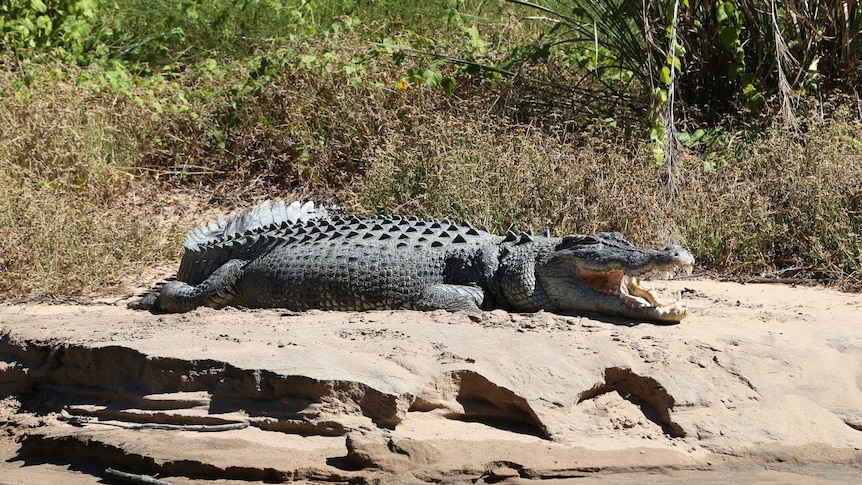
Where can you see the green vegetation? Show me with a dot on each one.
(116, 140)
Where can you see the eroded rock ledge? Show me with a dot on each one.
(433, 397)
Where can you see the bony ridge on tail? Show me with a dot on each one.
(301, 257)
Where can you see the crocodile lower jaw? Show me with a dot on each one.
(628, 289)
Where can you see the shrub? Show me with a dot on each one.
(60, 26)
(723, 55)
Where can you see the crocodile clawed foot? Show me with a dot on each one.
(149, 301)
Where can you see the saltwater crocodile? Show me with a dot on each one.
(301, 257)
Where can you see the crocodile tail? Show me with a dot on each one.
(256, 219)
(210, 245)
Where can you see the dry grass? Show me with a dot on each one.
(77, 162)
(495, 172)
(792, 207)
(68, 227)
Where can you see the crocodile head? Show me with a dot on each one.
(601, 273)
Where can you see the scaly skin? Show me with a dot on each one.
(301, 258)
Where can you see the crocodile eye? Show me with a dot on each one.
(613, 235)
(579, 240)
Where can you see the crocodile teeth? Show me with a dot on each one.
(637, 296)
(665, 274)
(628, 289)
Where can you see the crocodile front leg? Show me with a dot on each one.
(217, 291)
(451, 297)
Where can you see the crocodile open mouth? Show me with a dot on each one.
(628, 288)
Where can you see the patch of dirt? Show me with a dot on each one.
(759, 383)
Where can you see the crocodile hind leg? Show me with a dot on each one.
(451, 297)
(217, 291)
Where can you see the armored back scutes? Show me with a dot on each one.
(212, 244)
(250, 221)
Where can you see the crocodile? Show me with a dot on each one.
(302, 257)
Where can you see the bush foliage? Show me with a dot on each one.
(62, 26)
(723, 55)
(110, 135)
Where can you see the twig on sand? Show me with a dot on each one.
(132, 478)
(82, 420)
(177, 427)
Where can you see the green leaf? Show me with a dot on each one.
(542, 54)
(676, 63)
(308, 60)
(721, 14)
(390, 46)
(329, 57)
(657, 132)
(664, 75)
(735, 71)
(657, 153)
(448, 85)
(476, 40)
(432, 78)
(38, 6)
(27, 26)
(43, 23)
(414, 75)
(755, 99)
(729, 36)
(691, 140)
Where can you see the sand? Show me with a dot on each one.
(761, 384)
